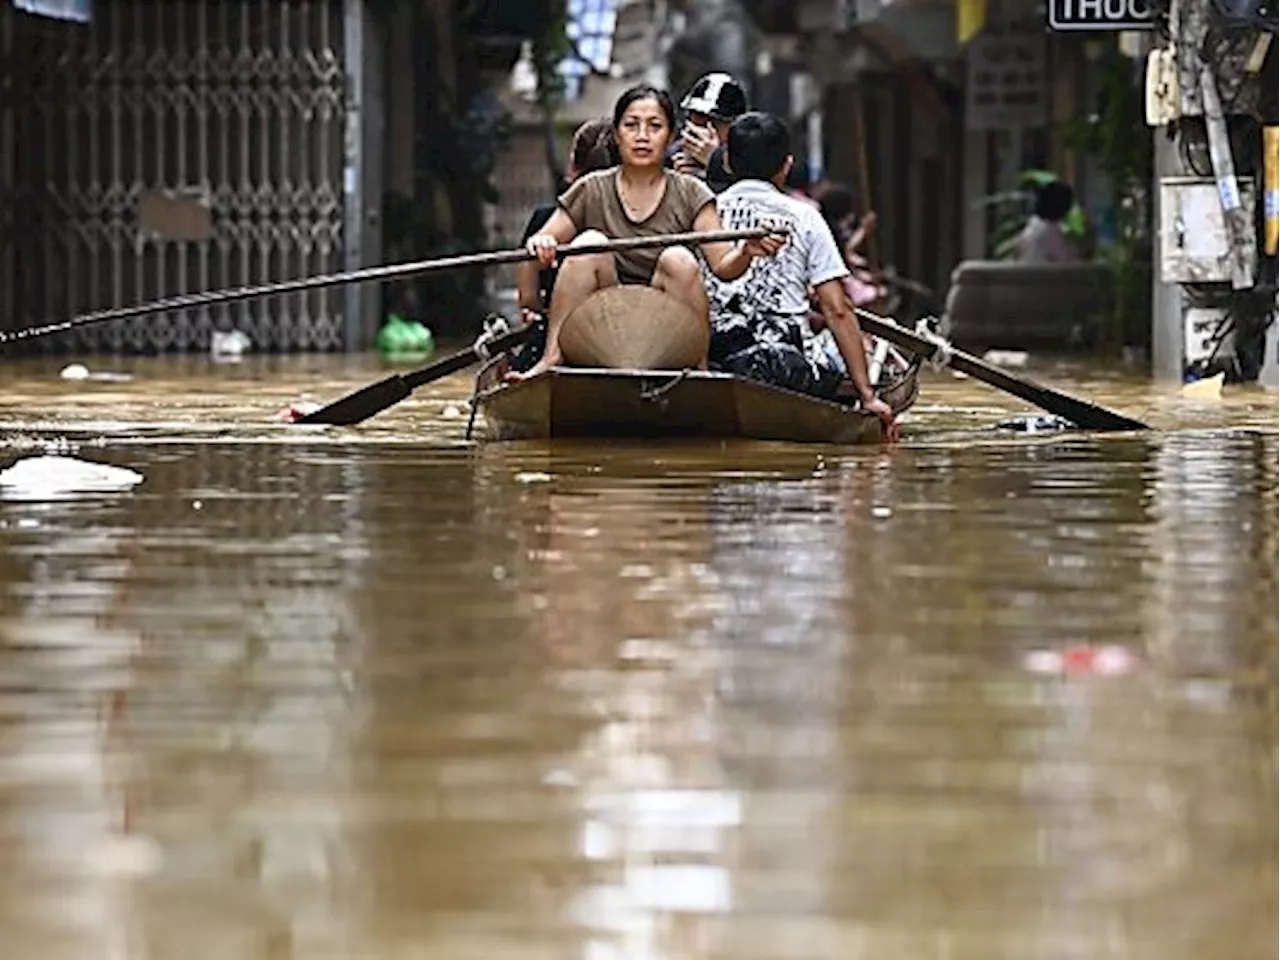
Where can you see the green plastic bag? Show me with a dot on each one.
(405, 340)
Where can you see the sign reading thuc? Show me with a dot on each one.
(1100, 15)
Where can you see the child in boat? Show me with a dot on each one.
(758, 322)
(638, 198)
(592, 148)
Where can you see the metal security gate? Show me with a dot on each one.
(168, 148)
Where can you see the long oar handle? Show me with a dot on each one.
(367, 274)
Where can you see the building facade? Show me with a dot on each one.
(168, 148)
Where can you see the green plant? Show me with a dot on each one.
(1126, 158)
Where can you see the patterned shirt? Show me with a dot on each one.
(778, 284)
(771, 300)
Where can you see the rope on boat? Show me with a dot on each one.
(495, 325)
(657, 393)
(942, 346)
(910, 373)
(474, 402)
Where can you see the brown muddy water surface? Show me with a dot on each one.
(382, 693)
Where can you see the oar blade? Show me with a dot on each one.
(368, 401)
(361, 405)
(1087, 416)
(1082, 413)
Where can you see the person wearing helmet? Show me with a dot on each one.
(711, 104)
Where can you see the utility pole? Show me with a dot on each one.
(1166, 298)
(1214, 277)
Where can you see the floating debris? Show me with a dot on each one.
(35, 478)
(78, 372)
(1006, 358)
(229, 346)
(1207, 388)
(533, 477)
(1035, 423)
(1106, 660)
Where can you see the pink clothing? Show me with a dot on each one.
(860, 290)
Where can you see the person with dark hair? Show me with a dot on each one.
(638, 198)
(839, 210)
(711, 104)
(592, 148)
(759, 321)
(851, 232)
(1043, 240)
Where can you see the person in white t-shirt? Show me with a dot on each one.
(1043, 239)
(758, 321)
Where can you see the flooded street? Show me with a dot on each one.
(379, 692)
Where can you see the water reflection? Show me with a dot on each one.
(66, 823)
(1212, 501)
(174, 654)
(328, 698)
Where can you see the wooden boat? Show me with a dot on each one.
(612, 392)
(601, 402)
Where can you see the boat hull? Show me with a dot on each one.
(608, 403)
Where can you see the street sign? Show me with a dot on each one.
(1100, 15)
(1007, 86)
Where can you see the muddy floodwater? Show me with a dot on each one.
(382, 693)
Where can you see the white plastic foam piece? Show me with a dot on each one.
(50, 476)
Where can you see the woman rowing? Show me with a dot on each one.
(638, 198)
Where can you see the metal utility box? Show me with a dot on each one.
(1194, 244)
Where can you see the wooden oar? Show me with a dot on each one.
(368, 274)
(1083, 414)
(364, 403)
(373, 399)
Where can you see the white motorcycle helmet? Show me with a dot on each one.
(717, 95)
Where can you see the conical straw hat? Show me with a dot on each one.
(634, 327)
